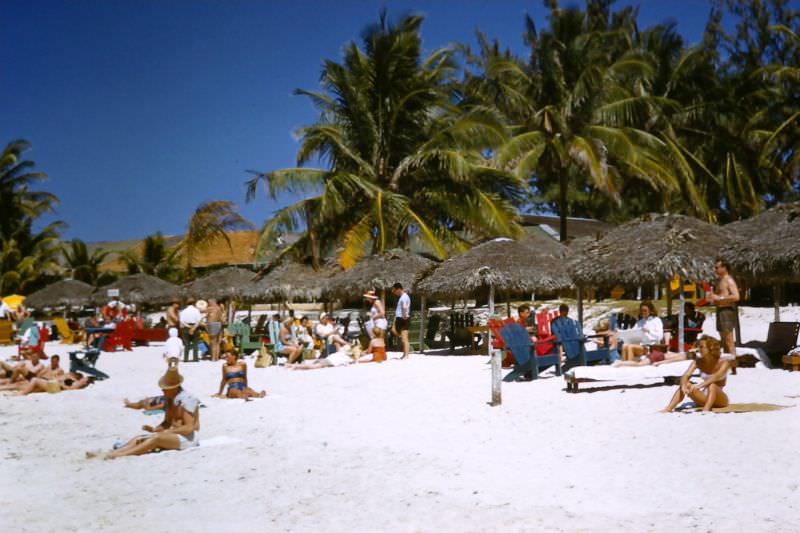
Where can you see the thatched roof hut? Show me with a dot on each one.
(139, 289)
(64, 293)
(650, 249)
(766, 247)
(226, 283)
(532, 264)
(290, 282)
(379, 272)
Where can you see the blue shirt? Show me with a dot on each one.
(403, 301)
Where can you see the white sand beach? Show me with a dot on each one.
(405, 446)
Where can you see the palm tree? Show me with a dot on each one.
(574, 107)
(403, 158)
(208, 226)
(153, 257)
(26, 255)
(82, 265)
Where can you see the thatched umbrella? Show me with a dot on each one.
(290, 281)
(67, 293)
(651, 249)
(534, 263)
(379, 272)
(226, 283)
(766, 248)
(139, 289)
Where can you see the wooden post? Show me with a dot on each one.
(422, 325)
(491, 299)
(580, 306)
(508, 304)
(776, 297)
(680, 318)
(656, 291)
(669, 298)
(497, 365)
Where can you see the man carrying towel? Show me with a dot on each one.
(190, 318)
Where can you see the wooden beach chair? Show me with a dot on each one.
(781, 339)
(527, 363)
(573, 341)
(67, 335)
(6, 332)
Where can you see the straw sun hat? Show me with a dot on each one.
(201, 305)
(171, 378)
(371, 295)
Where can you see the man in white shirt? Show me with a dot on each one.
(190, 318)
(326, 331)
(402, 316)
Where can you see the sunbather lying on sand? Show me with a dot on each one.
(151, 403)
(24, 371)
(653, 358)
(71, 381)
(713, 372)
(234, 375)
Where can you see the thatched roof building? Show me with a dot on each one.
(766, 247)
(226, 283)
(649, 249)
(532, 264)
(139, 289)
(64, 293)
(290, 282)
(379, 272)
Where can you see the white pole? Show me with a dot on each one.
(497, 364)
(491, 299)
(422, 325)
(639, 292)
(680, 316)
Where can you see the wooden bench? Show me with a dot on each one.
(791, 362)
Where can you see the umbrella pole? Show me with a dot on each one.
(669, 299)
(680, 318)
(508, 304)
(491, 299)
(580, 306)
(422, 325)
(776, 298)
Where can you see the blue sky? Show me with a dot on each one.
(139, 110)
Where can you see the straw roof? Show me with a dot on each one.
(139, 289)
(651, 248)
(532, 264)
(766, 247)
(379, 272)
(290, 282)
(67, 292)
(229, 282)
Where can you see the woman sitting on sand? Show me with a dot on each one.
(234, 375)
(713, 372)
(286, 345)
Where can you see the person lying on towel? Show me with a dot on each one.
(713, 372)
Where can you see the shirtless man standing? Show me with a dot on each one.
(725, 296)
(214, 321)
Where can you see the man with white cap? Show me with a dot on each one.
(326, 331)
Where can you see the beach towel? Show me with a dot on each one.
(738, 408)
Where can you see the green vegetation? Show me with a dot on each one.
(603, 119)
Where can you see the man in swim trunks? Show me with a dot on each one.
(214, 322)
(725, 296)
(180, 428)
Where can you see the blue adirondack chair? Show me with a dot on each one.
(570, 336)
(526, 361)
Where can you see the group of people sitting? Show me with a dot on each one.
(31, 375)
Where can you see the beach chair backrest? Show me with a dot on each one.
(63, 328)
(782, 336)
(517, 340)
(569, 335)
(274, 331)
(6, 331)
(543, 323)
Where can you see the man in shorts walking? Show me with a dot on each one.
(725, 296)
(402, 316)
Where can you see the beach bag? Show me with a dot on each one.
(264, 358)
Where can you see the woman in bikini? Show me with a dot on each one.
(234, 375)
(713, 372)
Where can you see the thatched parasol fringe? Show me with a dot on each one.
(67, 292)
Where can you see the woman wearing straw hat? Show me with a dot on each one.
(377, 315)
(181, 424)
